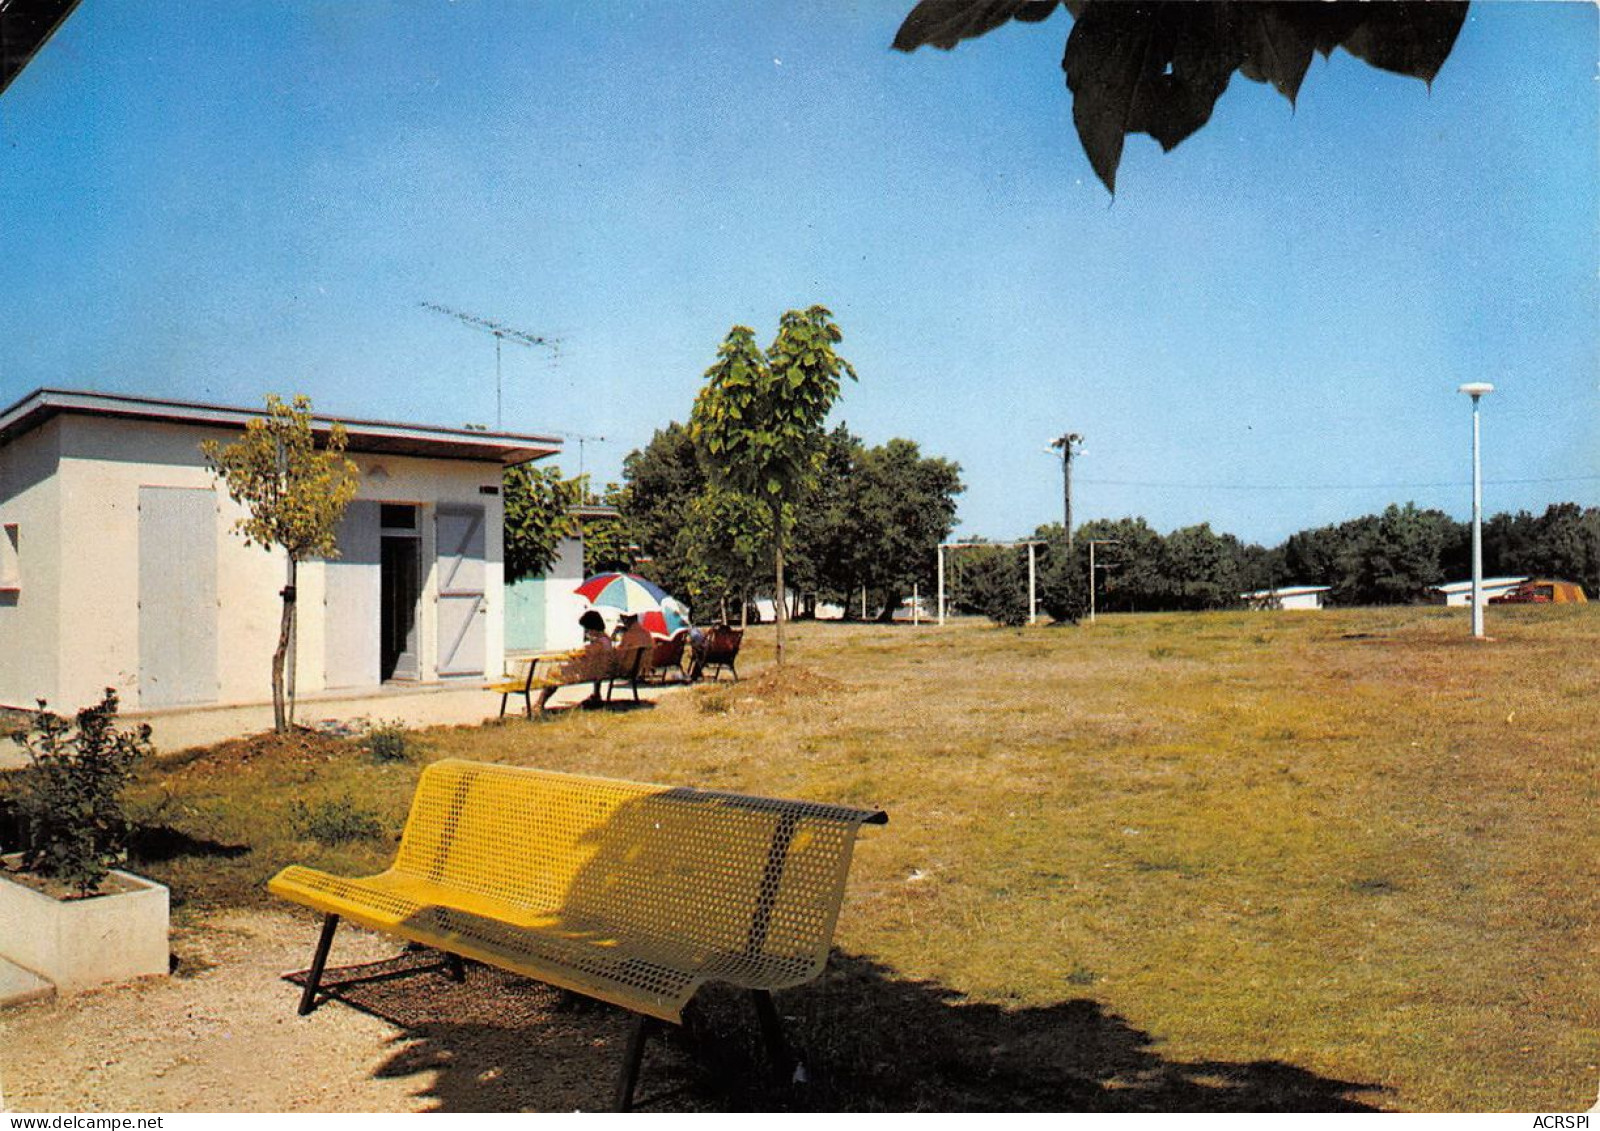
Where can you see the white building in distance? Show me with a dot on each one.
(1288, 597)
(1460, 592)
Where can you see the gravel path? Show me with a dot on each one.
(224, 1038)
(223, 1035)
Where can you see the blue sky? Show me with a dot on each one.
(1264, 330)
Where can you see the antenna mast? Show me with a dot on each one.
(582, 440)
(502, 333)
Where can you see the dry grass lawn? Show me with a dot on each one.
(1237, 860)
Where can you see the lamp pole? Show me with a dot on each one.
(1477, 390)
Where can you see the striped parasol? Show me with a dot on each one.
(630, 593)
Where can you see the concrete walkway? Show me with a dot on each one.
(463, 704)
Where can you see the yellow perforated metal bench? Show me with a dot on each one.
(630, 893)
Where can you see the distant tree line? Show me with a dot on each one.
(1390, 558)
(871, 519)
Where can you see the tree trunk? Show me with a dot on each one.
(280, 709)
(779, 602)
(292, 656)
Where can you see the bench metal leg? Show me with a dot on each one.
(454, 967)
(308, 998)
(631, 1061)
(783, 1061)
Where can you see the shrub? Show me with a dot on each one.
(334, 822)
(995, 581)
(388, 741)
(74, 826)
(1063, 590)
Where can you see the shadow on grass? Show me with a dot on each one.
(872, 1042)
(157, 844)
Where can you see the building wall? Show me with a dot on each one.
(94, 634)
(30, 602)
(1459, 593)
(563, 606)
(1290, 601)
(542, 612)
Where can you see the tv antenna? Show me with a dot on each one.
(582, 440)
(502, 333)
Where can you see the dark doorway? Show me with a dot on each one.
(400, 585)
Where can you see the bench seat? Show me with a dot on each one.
(631, 893)
(652, 975)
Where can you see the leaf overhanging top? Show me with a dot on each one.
(1159, 68)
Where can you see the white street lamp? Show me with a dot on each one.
(1476, 390)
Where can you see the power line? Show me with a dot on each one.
(1331, 486)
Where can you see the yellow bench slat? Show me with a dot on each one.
(632, 893)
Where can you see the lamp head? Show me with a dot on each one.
(1476, 389)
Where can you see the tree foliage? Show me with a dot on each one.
(1159, 68)
(994, 582)
(875, 521)
(294, 495)
(758, 419)
(538, 506)
(872, 517)
(1563, 542)
(293, 492)
(609, 540)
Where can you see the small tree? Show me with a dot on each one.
(759, 419)
(295, 495)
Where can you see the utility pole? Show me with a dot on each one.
(1067, 442)
(502, 333)
(1093, 542)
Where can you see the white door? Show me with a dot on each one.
(352, 601)
(177, 596)
(463, 610)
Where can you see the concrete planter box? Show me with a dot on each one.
(80, 943)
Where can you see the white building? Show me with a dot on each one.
(542, 612)
(1460, 592)
(1288, 597)
(119, 566)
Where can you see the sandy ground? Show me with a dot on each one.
(223, 1035)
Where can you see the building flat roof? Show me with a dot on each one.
(370, 436)
(1286, 591)
(1488, 583)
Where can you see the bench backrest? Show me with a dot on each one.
(722, 644)
(722, 873)
(629, 660)
(668, 650)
